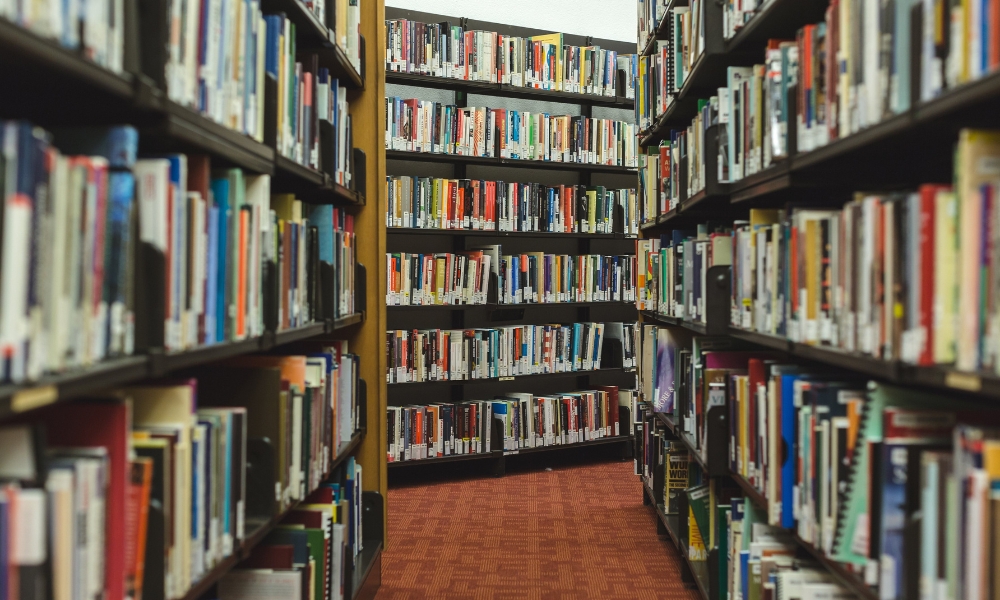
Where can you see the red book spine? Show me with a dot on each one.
(928, 193)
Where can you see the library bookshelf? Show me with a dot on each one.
(403, 163)
(904, 150)
(41, 76)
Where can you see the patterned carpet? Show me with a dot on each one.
(570, 533)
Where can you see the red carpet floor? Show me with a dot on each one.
(572, 533)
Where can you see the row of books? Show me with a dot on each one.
(540, 278)
(672, 277)
(442, 278)
(756, 559)
(523, 421)
(305, 556)
(218, 61)
(307, 98)
(756, 555)
(466, 354)
(896, 276)
(661, 75)
(415, 279)
(852, 79)
(98, 34)
(677, 168)
(650, 13)
(892, 483)
(432, 127)
(481, 205)
(757, 122)
(764, 560)
(144, 491)
(221, 75)
(236, 260)
(543, 62)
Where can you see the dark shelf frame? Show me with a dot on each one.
(459, 159)
(612, 439)
(310, 185)
(49, 55)
(500, 454)
(491, 455)
(487, 88)
(777, 19)
(62, 387)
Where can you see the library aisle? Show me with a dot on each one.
(577, 531)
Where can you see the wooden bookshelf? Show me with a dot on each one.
(368, 340)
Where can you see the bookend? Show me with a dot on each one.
(493, 289)
(496, 448)
(715, 588)
(717, 300)
(327, 291)
(617, 220)
(370, 557)
(360, 288)
(612, 354)
(624, 419)
(327, 141)
(270, 111)
(659, 486)
(620, 84)
(150, 296)
(682, 537)
(154, 24)
(359, 171)
(716, 447)
(361, 403)
(262, 502)
(713, 188)
(362, 52)
(271, 287)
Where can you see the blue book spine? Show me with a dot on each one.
(227, 521)
(321, 217)
(220, 190)
(788, 419)
(271, 50)
(745, 573)
(577, 343)
(122, 186)
(212, 281)
(596, 350)
(894, 457)
(195, 488)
